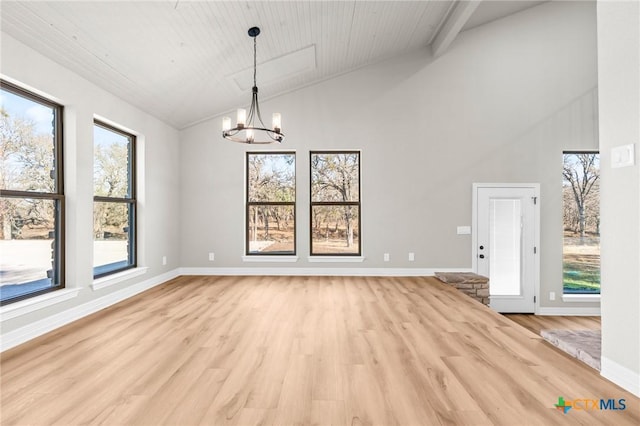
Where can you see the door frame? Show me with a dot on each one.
(536, 221)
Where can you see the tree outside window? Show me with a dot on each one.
(581, 222)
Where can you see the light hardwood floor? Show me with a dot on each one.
(299, 350)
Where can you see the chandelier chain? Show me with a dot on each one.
(254, 62)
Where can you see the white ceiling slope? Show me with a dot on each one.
(182, 61)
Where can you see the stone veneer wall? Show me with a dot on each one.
(471, 284)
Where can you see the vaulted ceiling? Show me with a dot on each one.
(186, 61)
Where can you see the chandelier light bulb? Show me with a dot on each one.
(226, 124)
(242, 117)
(276, 122)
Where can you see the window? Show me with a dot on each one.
(271, 205)
(335, 203)
(581, 223)
(114, 200)
(31, 195)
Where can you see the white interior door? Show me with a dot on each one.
(505, 240)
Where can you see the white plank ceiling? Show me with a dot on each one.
(180, 60)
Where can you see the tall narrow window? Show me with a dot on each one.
(114, 200)
(335, 203)
(31, 195)
(581, 220)
(271, 203)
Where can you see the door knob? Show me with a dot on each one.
(481, 256)
(481, 247)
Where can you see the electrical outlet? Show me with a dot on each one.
(164, 260)
(412, 257)
(552, 295)
(386, 257)
(212, 256)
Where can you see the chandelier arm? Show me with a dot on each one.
(252, 110)
(258, 108)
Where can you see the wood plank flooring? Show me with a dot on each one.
(298, 350)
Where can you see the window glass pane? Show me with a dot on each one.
(505, 242)
(335, 177)
(111, 166)
(112, 227)
(271, 229)
(272, 177)
(28, 246)
(28, 144)
(581, 221)
(335, 229)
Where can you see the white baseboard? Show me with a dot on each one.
(45, 325)
(620, 375)
(350, 272)
(570, 311)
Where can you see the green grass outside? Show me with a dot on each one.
(580, 278)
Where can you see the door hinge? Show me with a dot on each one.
(535, 250)
(534, 299)
(535, 200)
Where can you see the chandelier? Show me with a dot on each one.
(249, 127)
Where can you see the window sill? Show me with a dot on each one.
(114, 279)
(36, 303)
(336, 259)
(266, 258)
(581, 298)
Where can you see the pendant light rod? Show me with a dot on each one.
(250, 128)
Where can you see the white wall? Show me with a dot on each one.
(500, 106)
(158, 181)
(619, 93)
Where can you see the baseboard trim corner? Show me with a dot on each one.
(620, 375)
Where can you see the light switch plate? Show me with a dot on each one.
(464, 230)
(623, 156)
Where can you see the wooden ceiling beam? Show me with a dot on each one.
(454, 22)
